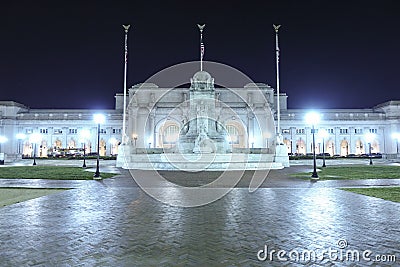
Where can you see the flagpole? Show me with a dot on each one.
(276, 28)
(124, 137)
(201, 27)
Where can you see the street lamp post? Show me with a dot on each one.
(312, 119)
(370, 137)
(34, 155)
(99, 119)
(324, 134)
(370, 155)
(34, 139)
(84, 155)
(85, 134)
(3, 139)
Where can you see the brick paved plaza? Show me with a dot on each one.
(114, 223)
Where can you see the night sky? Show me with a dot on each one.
(70, 54)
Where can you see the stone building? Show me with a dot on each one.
(58, 130)
(155, 120)
(347, 130)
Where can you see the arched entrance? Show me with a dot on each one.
(344, 148)
(375, 147)
(103, 147)
(236, 134)
(360, 148)
(300, 147)
(330, 147)
(57, 144)
(71, 143)
(27, 149)
(169, 134)
(43, 149)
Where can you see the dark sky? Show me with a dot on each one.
(69, 54)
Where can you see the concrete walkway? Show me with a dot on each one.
(114, 223)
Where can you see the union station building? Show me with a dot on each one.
(57, 131)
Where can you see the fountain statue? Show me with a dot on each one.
(202, 133)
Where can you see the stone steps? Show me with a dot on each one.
(199, 162)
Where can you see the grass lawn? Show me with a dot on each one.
(387, 193)
(10, 196)
(49, 172)
(354, 172)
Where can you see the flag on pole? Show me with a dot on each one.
(201, 28)
(126, 53)
(202, 50)
(126, 27)
(126, 57)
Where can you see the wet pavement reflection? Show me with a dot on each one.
(115, 223)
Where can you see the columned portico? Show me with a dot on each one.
(224, 121)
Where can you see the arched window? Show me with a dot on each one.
(360, 147)
(375, 148)
(330, 147)
(233, 134)
(71, 143)
(170, 135)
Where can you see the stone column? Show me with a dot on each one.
(152, 130)
(262, 122)
(250, 129)
(337, 140)
(141, 131)
(381, 139)
(351, 141)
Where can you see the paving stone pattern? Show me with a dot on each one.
(114, 223)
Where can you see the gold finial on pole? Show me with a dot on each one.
(276, 27)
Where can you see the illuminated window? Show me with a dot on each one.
(358, 131)
(116, 131)
(233, 134)
(57, 144)
(171, 134)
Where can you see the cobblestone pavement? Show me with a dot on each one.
(114, 223)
